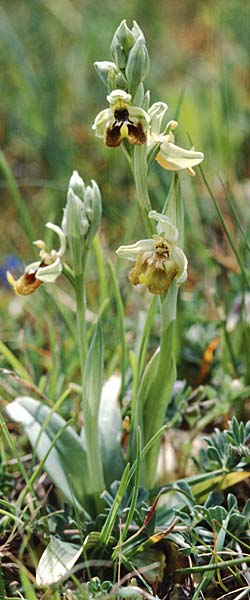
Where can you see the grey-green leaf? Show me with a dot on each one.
(110, 426)
(56, 561)
(67, 463)
(92, 388)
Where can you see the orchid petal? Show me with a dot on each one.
(135, 112)
(180, 260)
(156, 113)
(61, 236)
(49, 273)
(119, 97)
(102, 121)
(32, 268)
(164, 226)
(174, 158)
(132, 252)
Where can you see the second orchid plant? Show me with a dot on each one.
(82, 466)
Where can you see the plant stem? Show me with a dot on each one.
(140, 171)
(213, 567)
(80, 315)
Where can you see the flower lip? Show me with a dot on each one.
(123, 127)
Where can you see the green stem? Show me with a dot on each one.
(81, 322)
(213, 567)
(140, 171)
(68, 273)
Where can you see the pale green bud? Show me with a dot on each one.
(93, 203)
(103, 69)
(137, 66)
(137, 32)
(81, 218)
(116, 81)
(110, 75)
(77, 184)
(121, 43)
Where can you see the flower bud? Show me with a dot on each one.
(137, 32)
(137, 66)
(121, 43)
(110, 75)
(77, 185)
(93, 209)
(81, 218)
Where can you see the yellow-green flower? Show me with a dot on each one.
(170, 156)
(45, 270)
(158, 261)
(121, 120)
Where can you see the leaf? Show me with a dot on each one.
(92, 388)
(110, 520)
(67, 463)
(110, 426)
(148, 377)
(27, 586)
(121, 324)
(221, 481)
(56, 561)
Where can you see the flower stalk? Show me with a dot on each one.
(81, 319)
(140, 171)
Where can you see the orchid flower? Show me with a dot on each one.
(45, 270)
(158, 261)
(121, 120)
(170, 156)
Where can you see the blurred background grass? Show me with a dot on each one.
(50, 95)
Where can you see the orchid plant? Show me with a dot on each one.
(84, 465)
